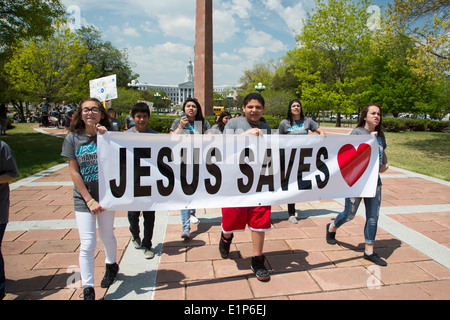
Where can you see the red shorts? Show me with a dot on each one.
(235, 219)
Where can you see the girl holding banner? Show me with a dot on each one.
(296, 124)
(80, 149)
(369, 123)
(191, 122)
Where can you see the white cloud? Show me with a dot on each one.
(131, 32)
(261, 39)
(225, 27)
(177, 26)
(228, 57)
(161, 63)
(291, 15)
(241, 8)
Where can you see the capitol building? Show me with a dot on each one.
(179, 93)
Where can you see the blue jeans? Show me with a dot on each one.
(372, 212)
(149, 224)
(185, 218)
(2, 263)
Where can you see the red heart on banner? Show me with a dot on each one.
(354, 162)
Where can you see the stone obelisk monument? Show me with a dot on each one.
(203, 64)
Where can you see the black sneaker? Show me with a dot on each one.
(330, 236)
(88, 293)
(375, 259)
(110, 275)
(224, 246)
(260, 270)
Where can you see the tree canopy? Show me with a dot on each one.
(55, 69)
(347, 56)
(24, 19)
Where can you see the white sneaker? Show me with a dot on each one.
(194, 220)
(293, 219)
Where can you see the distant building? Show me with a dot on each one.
(179, 93)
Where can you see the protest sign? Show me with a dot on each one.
(172, 172)
(104, 88)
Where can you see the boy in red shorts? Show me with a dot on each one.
(257, 218)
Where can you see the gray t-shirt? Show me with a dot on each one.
(215, 129)
(298, 127)
(83, 149)
(116, 124)
(380, 138)
(7, 166)
(147, 130)
(240, 125)
(193, 127)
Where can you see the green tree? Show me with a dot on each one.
(24, 19)
(105, 58)
(277, 102)
(331, 56)
(260, 72)
(126, 99)
(394, 86)
(54, 68)
(427, 24)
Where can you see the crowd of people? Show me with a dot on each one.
(56, 115)
(80, 148)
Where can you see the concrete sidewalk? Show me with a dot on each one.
(41, 246)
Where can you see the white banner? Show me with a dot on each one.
(171, 172)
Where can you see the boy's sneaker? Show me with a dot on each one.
(110, 275)
(149, 253)
(88, 293)
(136, 242)
(330, 235)
(293, 219)
(260, 270)
(224, 245)
(375, 259)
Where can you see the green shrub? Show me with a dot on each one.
(398, 125)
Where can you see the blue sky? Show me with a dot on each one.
(159, 34)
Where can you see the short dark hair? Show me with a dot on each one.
(254, 96)
(140, 107)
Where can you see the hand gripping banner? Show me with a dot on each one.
(172, 172)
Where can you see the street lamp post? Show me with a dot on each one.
(134, 84)
(157, 95)
(165, 104)
(260, 88)
(230, 96)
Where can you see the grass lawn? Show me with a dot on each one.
(34, 151)
(422, 152)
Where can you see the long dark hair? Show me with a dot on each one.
(79, 124)
(220, 124)
(199, 115)
(364, 111)
(289, 113)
